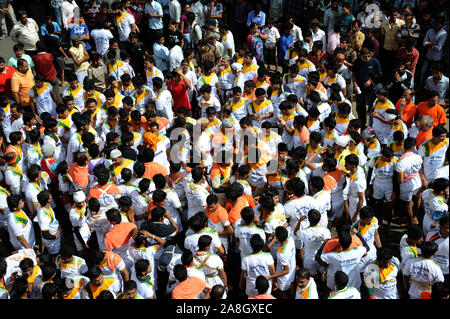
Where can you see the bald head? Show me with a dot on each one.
(426, 122)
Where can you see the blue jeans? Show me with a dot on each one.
(187, 41)
(58, 17)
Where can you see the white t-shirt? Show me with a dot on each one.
(323, 204)
(423, 273)
(20, 225)
(407, 251)
(44, 101)
(385, 285)
(286, 256)
(410, 165)
(124, 26)
(296, 208)
(101, 38)
(191, 240)
(309, 292)
(196, 197)
(441, 256)
(75, 268)
(228, 43)
(346, 293)
(346, 261)
(256, 265)
(433, 157)
(244, 233)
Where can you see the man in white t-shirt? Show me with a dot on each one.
(286, 263)
(256, 264)
(422, 272)
(408, 168)
(101, 37)
(244, 231)
(346, 260)
(312, 237)
(433, 153)
(20, 227)
(124, 21)
(440, 237)
(197, 225)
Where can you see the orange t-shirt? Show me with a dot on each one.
(96, 192)
(22, 84)
(424, 136)
(119, 235)
(189, 289)
(163, 122)
(153, 168)
(333, 244)
(436, 112)
(409, 110)
(219, 215)
(234, 212)
(79, 174)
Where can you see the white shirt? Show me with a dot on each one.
(423, 273)
(20, 226)
(175, 57)
(256, 265)
(433, 157)
(228, 43)
(346, 293)
(44, 101)
(441, 256)
(286, 257)
(244, 233)
(298, 207)
(101, 38)
(67, 12)
(124, 26)
(191, 240)
(175, 11)
(323, 203)
(312, 237)
(309, 292)
(346, 261)
(75, 268)
(196, 198)
(161, 54)
(198, 9)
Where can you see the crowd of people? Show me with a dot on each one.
(227, 149)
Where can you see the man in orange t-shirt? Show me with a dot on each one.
(425, 130)
(152, 168)
(218, 219)
(189, 287)
(433, 109)
(406, 108)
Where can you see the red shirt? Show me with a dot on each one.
(44, 66)
(179, 94)
(409, 57)
(5, 80)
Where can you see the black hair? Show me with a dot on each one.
(340, 279)
(256, 242)
(314, 217)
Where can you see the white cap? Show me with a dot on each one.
(115, 154)
(389, 116)
(237, 67)
(342, 140)
(79, 196)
